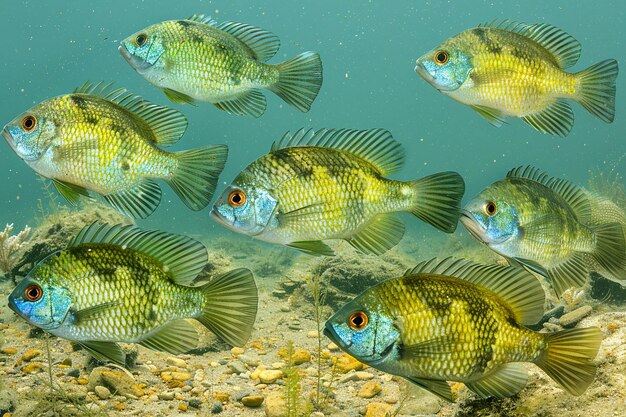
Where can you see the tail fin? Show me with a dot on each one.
(610, 250)
(597, 89)
(195, 177)
(568, 358)
(437, 199)
(230, 306)
(299, 80)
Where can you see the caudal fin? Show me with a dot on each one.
(230, 306)
(299, 80)
(437, 199)
(610, 250)
(195, 178)
(596, 91)
(568, 358)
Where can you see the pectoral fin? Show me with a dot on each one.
(176, 337)
(105, 351)
(493, 116)
(72, 193)
(504, 382)
(382, 234)
(177, 97)
(440, 388)
(313, 247)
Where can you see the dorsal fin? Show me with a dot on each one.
(564, 48)
(180, 255)
(262, 43)
(375, 145)
(168, 125)
(201, 18)
(518, 287)
(575, 196)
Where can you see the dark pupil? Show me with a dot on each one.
(33, 292)
(491, 208)
(28, 123)
(141, 40)
(357, 321)
(237, 198)
(441, 57)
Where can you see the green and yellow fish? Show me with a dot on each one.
(547, 225)
(120, 284)
(224, 64)
(514, 69)
(106, 141)
(454, 320)
(330, 184)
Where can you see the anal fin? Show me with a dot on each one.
(137, 202)
(556, 119)
(105, 351)
(251, 103)
(440, 388)
(383, 233)
(571, 273)
(72, 193)
(176, 337)
(493, 116)
(178, 97)
(504, 382)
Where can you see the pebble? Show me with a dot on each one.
(573, 317)
(221, 397)
(74, 373)
(300, 356)
(356, 376)
(176, 376)
(179, 363)
(8, 350)
(313, 334)
(369, 389)
(166, 396)
(552, 327)
(269, 376)
(276, 405)
(195, 403)
(332, 347)
(237, 351)
(248, 360)
(377, 410)
(32, 368)
(102, 392)
(422, 405)
(67, 362)
(217, 407)
(346, 363)
(31, 354)
(182, 407)
(285, 309)
(118, 382)
(252, 400)
(237, 367)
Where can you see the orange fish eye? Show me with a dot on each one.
(33, 292)
(141, 39)
(29, 123)
(237, 198)
(491, 208)
(441, 57)
(358, 320)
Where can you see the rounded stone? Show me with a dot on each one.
(102, 392)
(177, 362)
(269, 376)
(369, 389)
(252, 400)
(377, 410)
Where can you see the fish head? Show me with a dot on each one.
(446, 67)
(246, 207)
(40, 302)
(364, 330)
(144, 50)
(31, 134)
(490, 218)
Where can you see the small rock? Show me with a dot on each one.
(552, 327)
(237, 367)
(237, 351)
(248, 360)
(217, 407)
(74, 373)
(252, 400)
(346, 363)
(179, 363)
(573, 317)
(377, 410)
(313, 334)
(285, 309)
(424, 404)
(269, 376)
(8, 350)
(181, 376)
(332, 347)
(276, 405)
(67, 362)
(118, 382)
(166, 396)
(240, 394)
(369, 389)
(301, 356)
(364, 376)
(102, 392)
(32, 368)
(221, 397)
(195, 403)
(182, 407)
(31, 354)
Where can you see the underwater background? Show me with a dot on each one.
(368, 50)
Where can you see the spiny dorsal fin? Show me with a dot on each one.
(200, 18)
(374, 145)
(518, 287)
(262, 43)
(168, 125)
(575, 196)
(564, 48)
(180, 255)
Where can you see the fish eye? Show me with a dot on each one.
(237, 198)
(29, 123)
(358, 320)
(33, 292)
(141, 39)
(441, 57)
(490, 208)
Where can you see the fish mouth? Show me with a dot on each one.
(330, 333)
(138, 64)
(423, 72)
(7, 136)
(218, 217)
(472, 226)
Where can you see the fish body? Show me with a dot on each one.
(330, 184)
(547, 225)
(107, 142)
(454, 320)
(224, 64)
(108, 286)
(514, 69)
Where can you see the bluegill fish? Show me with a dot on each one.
(120, 284)
(330, 184)
(222, 63)
(454, 320)
(514, 69)
(106, 141)
(548, 225)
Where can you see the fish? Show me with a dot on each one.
(198, 59)
(104, 141)
(511, 69)
(117, 283)
(330, 184)
(547, 225)
(455, 320)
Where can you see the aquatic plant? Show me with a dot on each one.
(319, 297)
(295, 402)
(10, 245)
